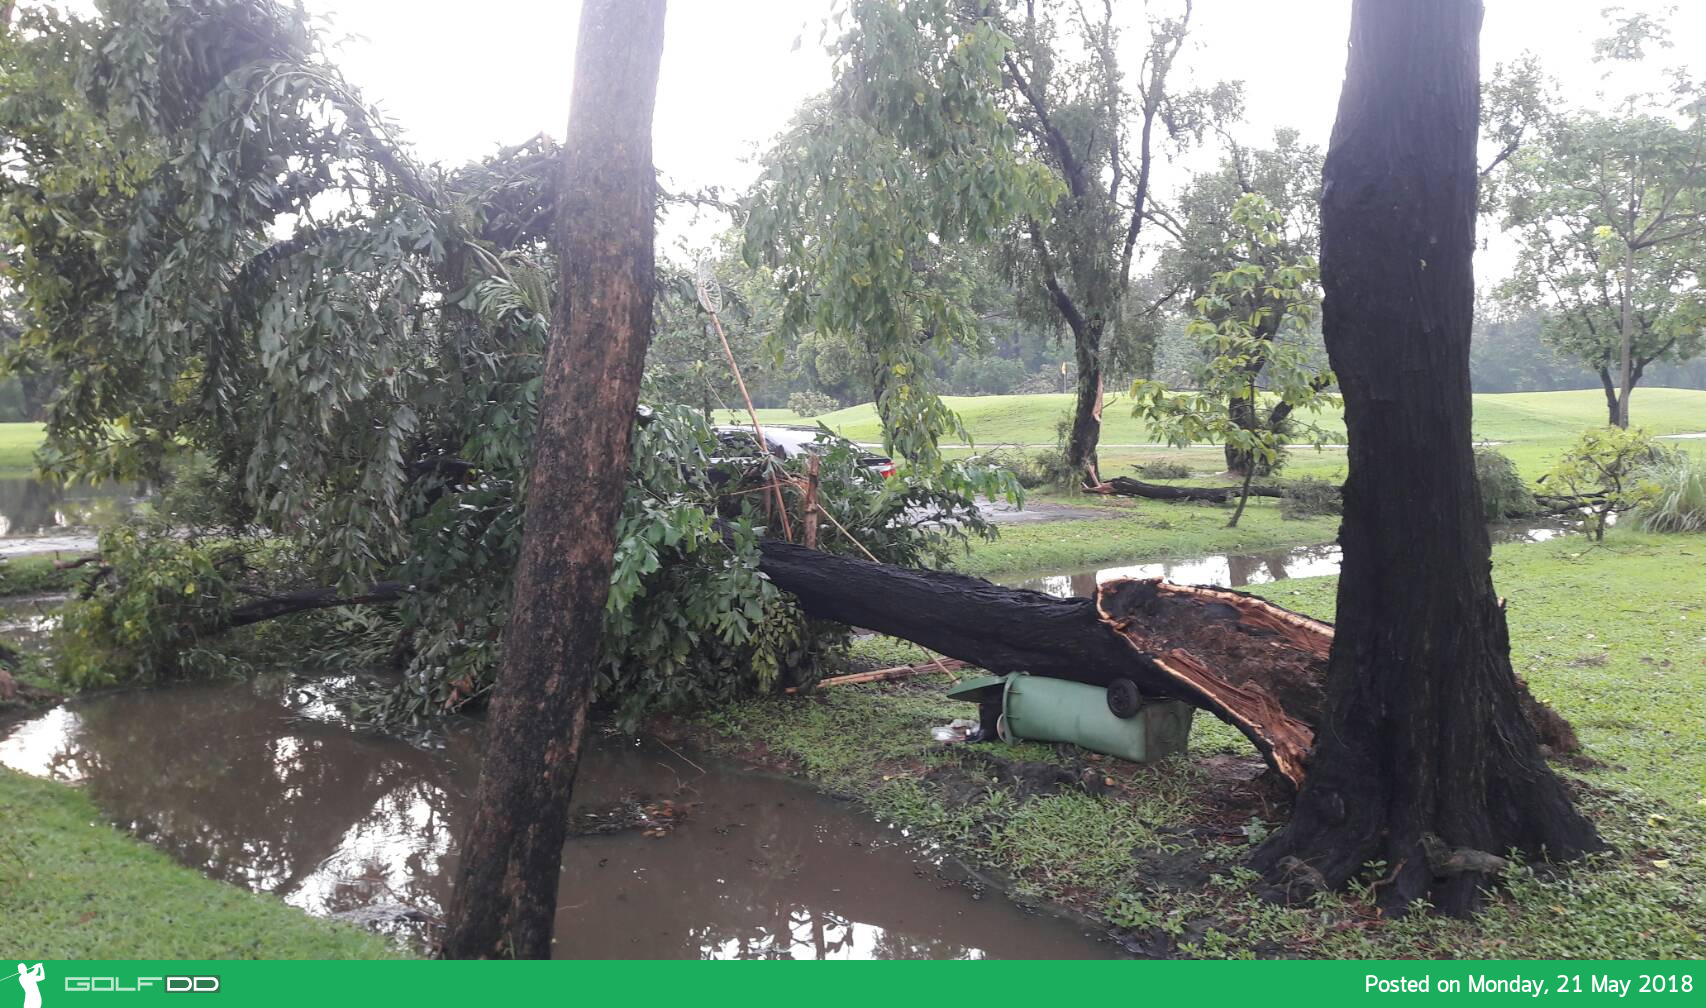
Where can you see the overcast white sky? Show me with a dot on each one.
(463, 79)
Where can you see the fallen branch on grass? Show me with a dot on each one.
(893, 674)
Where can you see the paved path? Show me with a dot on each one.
(1040, 511)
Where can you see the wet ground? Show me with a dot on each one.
(261, 784)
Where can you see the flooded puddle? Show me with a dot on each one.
(1239, 570)
(680, 856)
(38, 517)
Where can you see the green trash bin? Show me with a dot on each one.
(1059, 710)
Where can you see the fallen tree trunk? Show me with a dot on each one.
(1013, 630)
(1257, 666)
(1125, 486)
(271, 606)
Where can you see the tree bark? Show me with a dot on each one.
(1423, 740)
(506, 895)
(1087, 407)
(1627, 384)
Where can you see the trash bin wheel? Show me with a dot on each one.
(1124, 698)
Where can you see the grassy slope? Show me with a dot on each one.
(18, 443)
(73, 887)
(1635, 605)
(1537, 425)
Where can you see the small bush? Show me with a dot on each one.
(1052, 468)
(1163, 470)
(810, 404)
(1024, 468)
(1504, 494)
(1678, 494)
(1609, 465)
(1310, 497)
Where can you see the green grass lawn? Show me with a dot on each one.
(18, 444)
(35, 573)
(72, 887)
(1613, 636)
(1139, 531)
(1537, 425)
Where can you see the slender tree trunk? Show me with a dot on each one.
(1611, 401)
(1423, 752)
(1627, 385)
(1243, 497)
(1087, 409)
(506, 896)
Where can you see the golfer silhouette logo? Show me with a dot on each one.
(29, 977)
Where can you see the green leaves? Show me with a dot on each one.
(870, 205)
(1254, 380)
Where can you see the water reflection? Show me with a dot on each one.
(238, 781)
(1239, 570)
(31, 508)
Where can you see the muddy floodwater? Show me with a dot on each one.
(260, 783)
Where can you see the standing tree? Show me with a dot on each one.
(1424, 767)
(1210, 226)
(1095, 130)
(1610, 213)
(872, 210)
(506, 896)
(1248, 325)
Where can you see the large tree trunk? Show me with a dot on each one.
(506, 895)
(1423, 747)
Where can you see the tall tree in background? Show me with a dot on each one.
(1095, 129)
(506, 895)
(1210, 243)
(875, 207)
(1424, 762)
(1610, 214)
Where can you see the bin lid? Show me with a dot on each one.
(979, 689)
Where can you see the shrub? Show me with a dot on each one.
(157, 611)
(1504, 494)
(1053, 470)
(1678, 494)
(1164, 469)
(811, 403)
(1309, 497)
(1023, 468)
(1606, 465)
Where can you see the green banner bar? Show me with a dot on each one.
(1264, 984)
